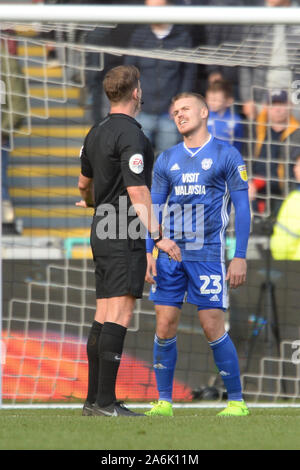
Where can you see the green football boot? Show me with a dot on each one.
(235, 408)
(160, 408)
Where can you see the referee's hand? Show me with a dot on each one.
(170, 247)
(81, 203)
(151, 269)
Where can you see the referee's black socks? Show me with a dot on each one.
(110, 351)
(93, 360)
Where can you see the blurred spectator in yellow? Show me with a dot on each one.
(285, 241)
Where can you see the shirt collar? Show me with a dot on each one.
(192, 154)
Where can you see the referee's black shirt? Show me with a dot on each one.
(116, 154)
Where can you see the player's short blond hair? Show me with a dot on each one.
(188, 94)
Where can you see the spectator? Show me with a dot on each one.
(198, 35)
(118, 36)
(223, 121)
(219, 34)
(161, 79)
(13, 107)
(255, 81)
(215, 35)
(57, 56)
(285, 241)
(276, 149)
(94, 75)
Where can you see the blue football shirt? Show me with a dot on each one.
(193, 187)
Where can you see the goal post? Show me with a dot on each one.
(143, 15)
(48, 295)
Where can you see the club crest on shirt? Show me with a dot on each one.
(136, 163)
(243, 172)
(206, 163)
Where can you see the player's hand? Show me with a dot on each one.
(237, 272)
(151, 269)
(81, 203)
(170, 247)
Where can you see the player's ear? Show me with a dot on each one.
(204, 112)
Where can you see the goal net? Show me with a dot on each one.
(51, 94)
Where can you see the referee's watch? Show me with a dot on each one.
(156, 236)
(157, 239)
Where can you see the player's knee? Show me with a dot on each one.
(166, 329)
(212, 322)
(213, 330)
(163, 334)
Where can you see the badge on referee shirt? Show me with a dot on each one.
(136, 163)
(243, 172)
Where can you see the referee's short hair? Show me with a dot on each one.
(119, 83)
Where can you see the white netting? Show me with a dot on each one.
(48, 271)
(46, 84)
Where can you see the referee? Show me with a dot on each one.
(115, 178)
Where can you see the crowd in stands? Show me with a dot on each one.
(250, 107)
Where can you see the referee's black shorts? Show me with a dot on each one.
(120, 267)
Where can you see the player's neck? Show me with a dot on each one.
(197, 140)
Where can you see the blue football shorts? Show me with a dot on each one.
(199, 283)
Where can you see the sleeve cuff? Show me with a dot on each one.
(240, 254)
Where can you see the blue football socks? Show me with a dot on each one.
(164, 363)
(226, 360)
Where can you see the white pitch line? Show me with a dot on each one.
(146, 405)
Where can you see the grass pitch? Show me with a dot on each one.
(189, 429)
